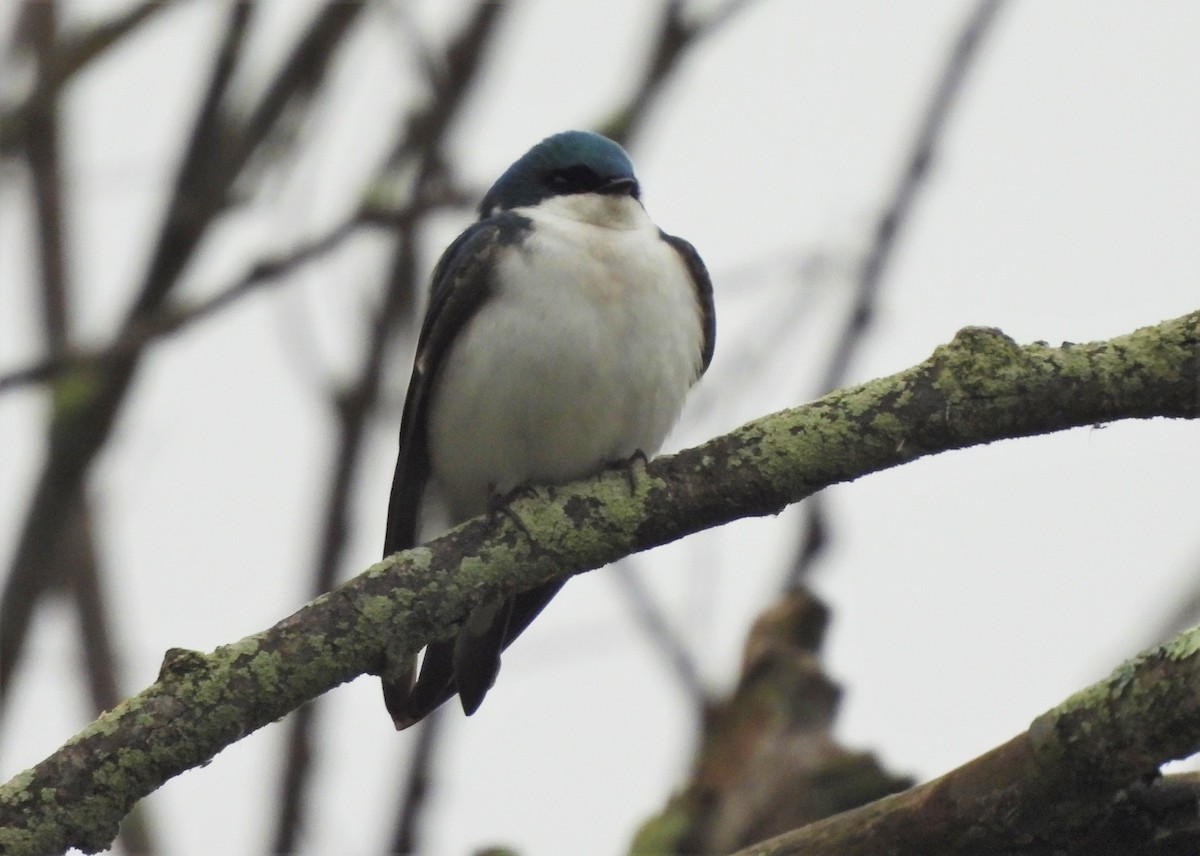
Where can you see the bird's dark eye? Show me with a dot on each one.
(574, 179)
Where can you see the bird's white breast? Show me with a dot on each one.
(581, 356)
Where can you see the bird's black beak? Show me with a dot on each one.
(620, 186)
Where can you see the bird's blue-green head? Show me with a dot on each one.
(566, 163)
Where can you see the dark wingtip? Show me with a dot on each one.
(472, 698)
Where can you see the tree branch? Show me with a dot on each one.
(72, 55)
(265, 272)
(769, 760)
(979, 388)
(675, 37)
(1046, 788)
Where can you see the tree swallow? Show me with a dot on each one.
(563, 332)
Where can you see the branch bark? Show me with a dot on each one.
(769, 760)
(1044, 791)
(979, 388)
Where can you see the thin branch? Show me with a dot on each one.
(912, 179)
(87, 403)
(353, 407)
(220, 146)
(895, 216)
(979, 388)
(676, 36)
(721, 15)
(42, 153)
(170, 320)
(80, 49)
(73, 53)
(666, 642)
(407, 836)
(263, 273)
(78, 569)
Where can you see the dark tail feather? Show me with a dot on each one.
(526, 607)
(469, 664)
(409, 702)
(477, 652)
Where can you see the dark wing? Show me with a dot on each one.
(461, 283)
(704, 295)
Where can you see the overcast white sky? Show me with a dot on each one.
(970, 591)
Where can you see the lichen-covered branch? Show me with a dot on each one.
(979, 388)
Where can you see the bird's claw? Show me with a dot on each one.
(629, 466)
(501, 504)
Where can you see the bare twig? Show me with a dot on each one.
(169, 320)
(721, 15)
(675, 37)
(932, 127)
(407, 837)
(73, 53)
(42, 153)
(80, 424)
(654, 624)
(78, 571)
(353, 407)
(261, 274)
(912, 179)
(221, 146)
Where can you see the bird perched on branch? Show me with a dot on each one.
(563, 332)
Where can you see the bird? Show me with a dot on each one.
(563, 332)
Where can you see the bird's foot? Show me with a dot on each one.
(630, 467)
(501, 504)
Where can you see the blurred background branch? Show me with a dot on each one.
(815, 526)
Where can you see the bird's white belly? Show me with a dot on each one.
(582, 357)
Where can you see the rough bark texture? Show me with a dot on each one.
(769, 760)
(1078, 781)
